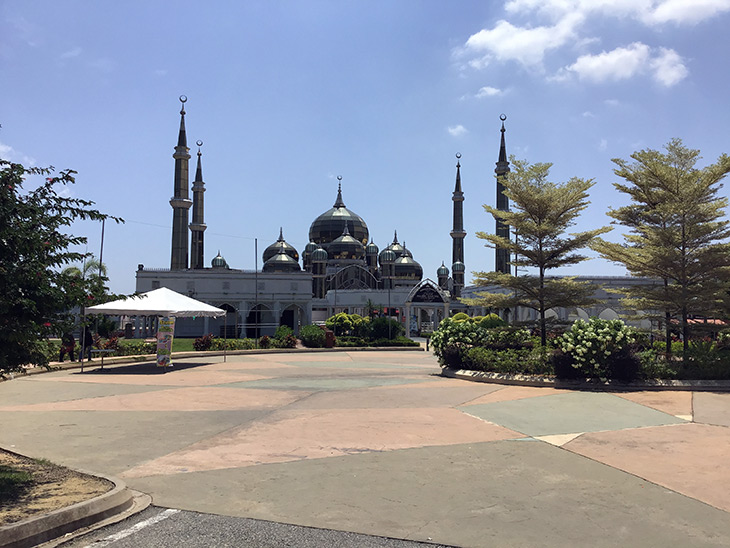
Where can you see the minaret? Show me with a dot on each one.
(458, 233)
(501, 259)
(197, 227)
(180, 201)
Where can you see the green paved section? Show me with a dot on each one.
(569, 413)
(498, 494)
(112, 441)
(320, 384)
(36, 389)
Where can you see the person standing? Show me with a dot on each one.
(67, 346)
(87, 341)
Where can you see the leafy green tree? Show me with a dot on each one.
(36, 296)
(541, 214)
(677, 233)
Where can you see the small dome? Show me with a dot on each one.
(281, 262)
(218, 261)
(371, 248)
(346, 247)
(396, 248)
(274, 248)
(327, 227)
(310, 247)
(319, 255)
(406, 267)
(442, 271)
(458, 266)
(387, 256)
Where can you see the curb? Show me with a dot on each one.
(126, 360)
(551, 382)
(48, 527)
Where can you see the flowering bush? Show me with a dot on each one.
(454, 337)
(203, 343)
(599, 349)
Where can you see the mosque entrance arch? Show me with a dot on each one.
(260, 321)
(292, 316)
(352, 277)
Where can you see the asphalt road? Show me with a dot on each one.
(160, 527)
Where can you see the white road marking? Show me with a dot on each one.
(133, 529)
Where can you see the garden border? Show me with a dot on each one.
(552, 382)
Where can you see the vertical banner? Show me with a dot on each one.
(165, 332)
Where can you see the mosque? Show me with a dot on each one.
(340, 270)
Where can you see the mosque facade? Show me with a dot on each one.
(340, 270)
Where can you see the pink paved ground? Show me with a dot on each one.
(322, 408)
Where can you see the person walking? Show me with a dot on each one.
(67, 346)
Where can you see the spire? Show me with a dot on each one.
(395, 237)
(458, 233)
(182, 140)
(198, 226)
(180, 201)
(502, 164)
(339, 202)
(199, 169)
(281, 235)
(502, 256)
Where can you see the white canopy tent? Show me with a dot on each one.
(158, 302)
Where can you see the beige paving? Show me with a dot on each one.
(677, 403)
(688, 458)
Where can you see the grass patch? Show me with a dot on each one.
(13, 482)
(182, 345)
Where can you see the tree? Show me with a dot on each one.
(677, 233)
(542, 212)
(36, 297)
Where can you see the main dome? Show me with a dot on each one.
(329, 226)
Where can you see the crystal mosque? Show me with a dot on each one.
(340, 270)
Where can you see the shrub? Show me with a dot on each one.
(136, 348)
(265, 342)
(508, 337)
(460, 317)
(454, 337)
(383, 328)
(282, 331)
(596, 346)
(490, 321)
(398, 341)
(289, 341)
(312, 336)
(233, 344)
(203, 343)
(511, 361)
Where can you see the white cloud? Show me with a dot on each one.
(668, 67)
(457, 131)
(526, 45)
(75, 52)
(603, 145)
(612, 102)
(618, 64)
(488, 91)
(685, 11)
(10, 154)
(650, 12)
(588, 114)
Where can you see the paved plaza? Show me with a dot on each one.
(379, 443)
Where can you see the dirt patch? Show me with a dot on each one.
(53, 487)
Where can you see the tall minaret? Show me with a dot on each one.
(501, 260)
(197, 227)
(180, 201)
(458, 233)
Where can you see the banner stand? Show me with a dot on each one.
(165, 334)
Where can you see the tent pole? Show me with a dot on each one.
(225, 336)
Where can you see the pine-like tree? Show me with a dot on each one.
(541, 214)
(677, 234)
(36, 297)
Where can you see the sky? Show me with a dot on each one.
(287, 96)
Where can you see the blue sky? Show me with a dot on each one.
(288, 95)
